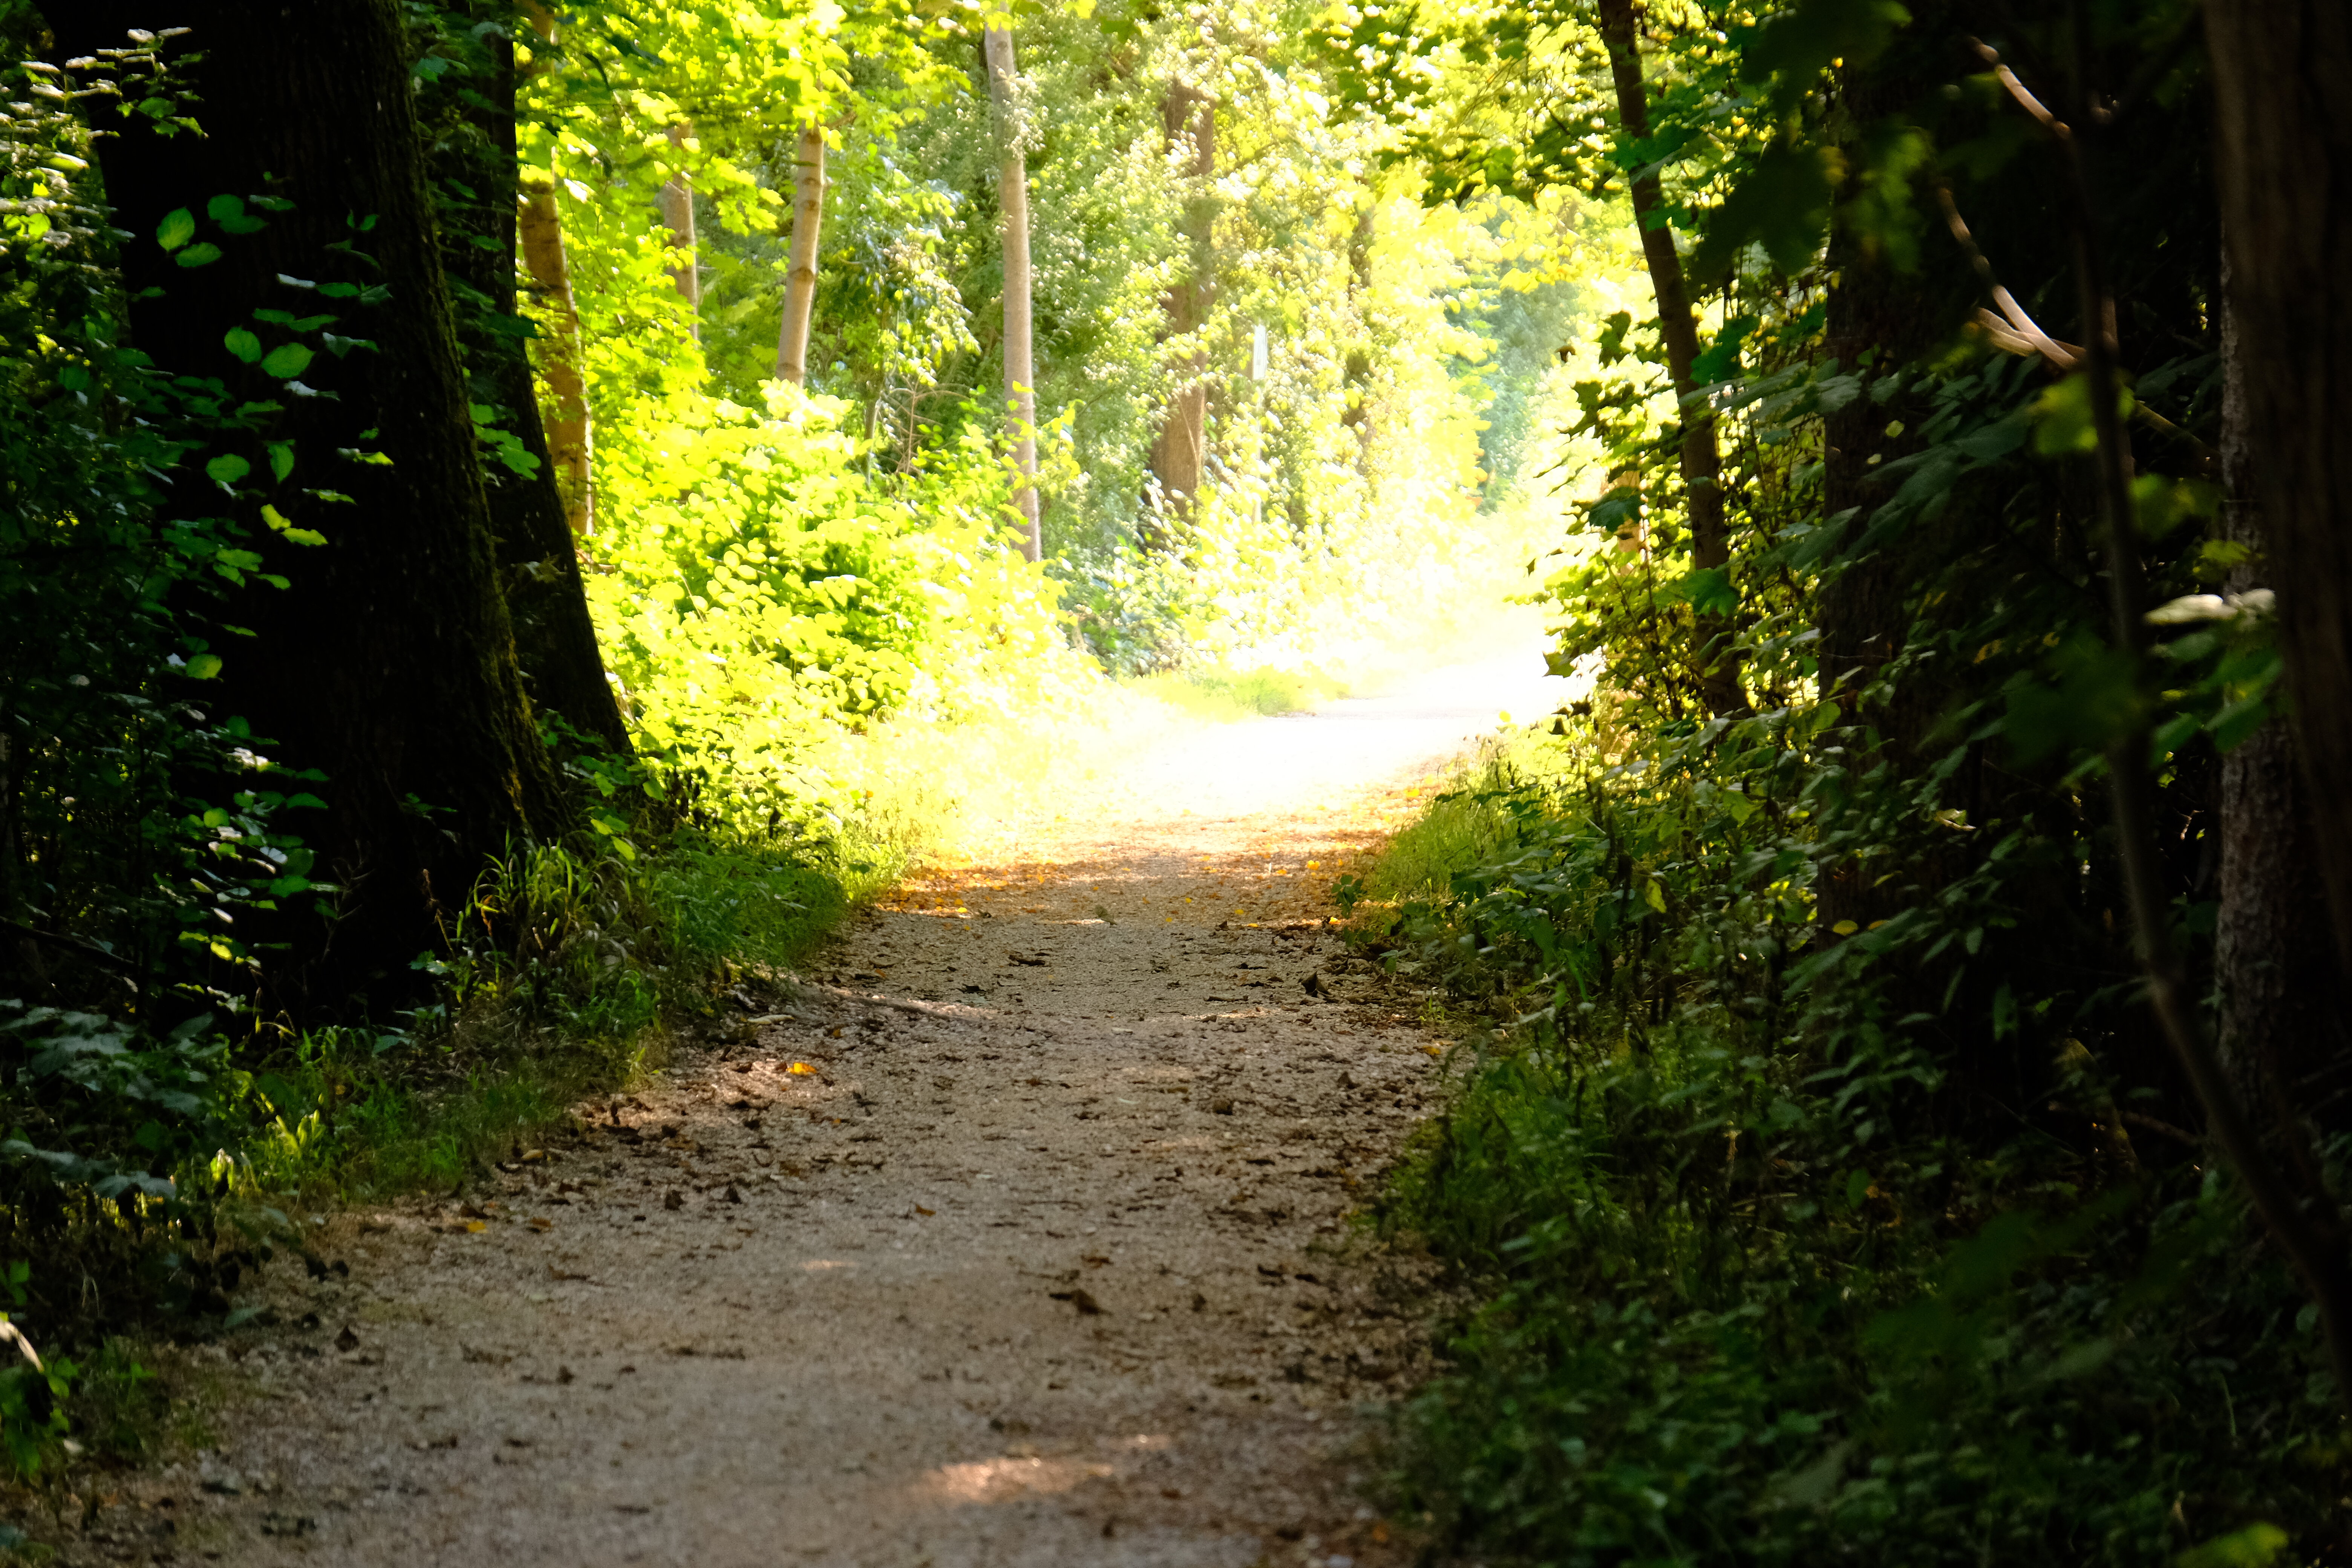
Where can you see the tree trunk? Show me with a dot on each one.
(1013, 200)
(1356, 374)
(570, 432)
(1702, 462)
(539, 563)
(389, 662)
(2281, 1027)
(800, 281)
(1179, 453)
(2284, 163)
(677, 216)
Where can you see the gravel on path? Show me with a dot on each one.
(1016, 1232)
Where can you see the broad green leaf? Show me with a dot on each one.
(203, 255)
(281, 459)
(230, 213)
(2062, 425)
(204, 665)
(1706, 590)
(228, 468)
(178, 227)
(243, 344)
(2256, 1546)
(288, 360)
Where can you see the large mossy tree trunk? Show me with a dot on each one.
(389, 661)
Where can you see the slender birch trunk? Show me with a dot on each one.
(1012, 199)
(800, 280)
(677, 216)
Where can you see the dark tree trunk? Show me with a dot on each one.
(2281, 1029)
(389, 663)
(2282, 93)
(539, 563)
(1702, 459)
(1878, 314)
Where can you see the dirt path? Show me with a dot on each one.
(1014, 1235)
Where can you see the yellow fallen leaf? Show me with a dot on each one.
(477, 1225)
(800, 1069)
(1845, 928)
(538, 1223)
(1434, 1050)
(924, 1212)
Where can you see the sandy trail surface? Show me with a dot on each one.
(1012, 1233)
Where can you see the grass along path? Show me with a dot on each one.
(1014, 1235)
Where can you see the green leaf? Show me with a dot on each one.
(1782, 204)
(2256, 1546)
(1721, 360)
(230, 213)
(178, 227)
(203, 255)
(228, 468)
(281, 459)
(1706, 590)
(204, 667)
(2062, 425)
(2096, 699)
(288, 360)
(243, 344)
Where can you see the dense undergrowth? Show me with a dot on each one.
(1766, 1270)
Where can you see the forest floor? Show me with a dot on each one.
(1014, 1231)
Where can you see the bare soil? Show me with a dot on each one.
(1017, 1231)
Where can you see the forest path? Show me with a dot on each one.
(1014, 1235)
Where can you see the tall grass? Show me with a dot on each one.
(571, 970)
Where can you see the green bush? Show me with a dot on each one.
(1752, 1285)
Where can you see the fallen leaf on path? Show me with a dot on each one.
(476, 1227)
(555, 1273)
(542, 1225)
(801, 1070)
(673, 1199)
(469, 1212)
(347, 1342)
(1086, 1305)
(927, 1214)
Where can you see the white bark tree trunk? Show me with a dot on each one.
(800, 280)
(1020, 374)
